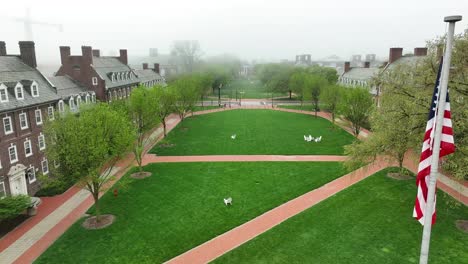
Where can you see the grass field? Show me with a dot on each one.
(257, 132)
(370, 222)
(206, 107)
(248, 89)
(181, 206)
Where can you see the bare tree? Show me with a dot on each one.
(189, 51)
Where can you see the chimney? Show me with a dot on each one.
(420, 51)
(395, 54)
(28, 53)
(347, 66)
(87, 55)
(123, 56)
(64, 54)
(156, 68)
(2, 48)
(367, 64)
(96, 53)
(145, 66)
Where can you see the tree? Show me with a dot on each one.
(327, 73)
(313, 84)
(297, 83)
(164, 101)
(186, 92)
(189, 51)
(87, 146)
(141, 111)
(356, 106)
(330, 97)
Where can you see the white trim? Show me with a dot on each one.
(24, 114)
(78, 102)
(93, 98)
(3, 89)
(40, 139)
(19, 91)
(31, 168)
(61, 106)
(45, 172)
(34, 94)
(4, 126)
(28, 142)
(50, 112)
(71, 103)
(87, 98)
(94, 80)
(16, 154)
(38, 114)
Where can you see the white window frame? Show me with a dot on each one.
(93, 98)
(87, 98)
(12, 161)
(34, 92)
(4, 125)
(27, 142)
(3, 91)
(51, 113)
(45, 172)
(2, 184)
(94, 80)
(78, 102)
(61, 106)
(71, 103)
(19, 87)
(38, 116)
(41, 142)
(26, 126)
(31, 168)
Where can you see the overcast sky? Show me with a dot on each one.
(250, 29)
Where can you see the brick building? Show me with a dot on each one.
(27, 99)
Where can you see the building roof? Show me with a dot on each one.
(12, 71)
(362, 74)
(147, 75)
(66, 86)
(105, 66)
(406, 60)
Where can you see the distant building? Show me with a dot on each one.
(72, 93)
(169, 64)
(303, 60)
(150, 77)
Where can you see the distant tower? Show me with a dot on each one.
(370, 57)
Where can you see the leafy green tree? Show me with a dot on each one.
(356, 106)
(87, 146)
(141, 111)
(187, 93)
(12, 206)
(330, 97)
(312, 86)
(165, 102)
(326, 73)
(297, 83)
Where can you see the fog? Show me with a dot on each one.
(252, 29)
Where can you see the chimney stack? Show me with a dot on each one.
(420, 51)
(2, 48)
(367, 64)
(28, 53)
(64, 54)
(87, 55)
(123, 56)
(96, 53)
(347, 66)
(156, 68)
(395, 54)
(145, 66)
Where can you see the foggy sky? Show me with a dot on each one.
(250, 29)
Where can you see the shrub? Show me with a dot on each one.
(11, 207)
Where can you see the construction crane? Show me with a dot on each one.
(29, 22)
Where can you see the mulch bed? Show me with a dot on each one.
(462, 225)
(140, 175)
(398, 176)
(91, 223)
(8, 225)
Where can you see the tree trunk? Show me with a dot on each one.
(164, 127)
(333, 117)
(202, 101)
(96, 205)
(290, 94)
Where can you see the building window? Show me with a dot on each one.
(7, 126)
(38, 114)
(35, 90)
(61, 107)
(71, 103)
(19, 92)
(23, 120)
(87, 98)
(13, 154)
(41, 141)
(109, 96)
(3, 94)
(2, 189)
(93, 98)
(78, 102)
(94, 79)
(27, 148)
(45, 167)
(50, 112)
(31, 173)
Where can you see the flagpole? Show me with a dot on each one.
(426, 238)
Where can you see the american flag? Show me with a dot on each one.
(447, 146)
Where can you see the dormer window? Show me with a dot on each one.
(61, 107)
(87, 98)
(34, 90)
(3, 93)
(93, 98)
(71, 103)
(78, 102)
(113, 77)
(19, 92)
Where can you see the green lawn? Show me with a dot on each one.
(250, 89)
(304, 107)
(181, 206)
(205, 107)
(258, 132)
(370, 222)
